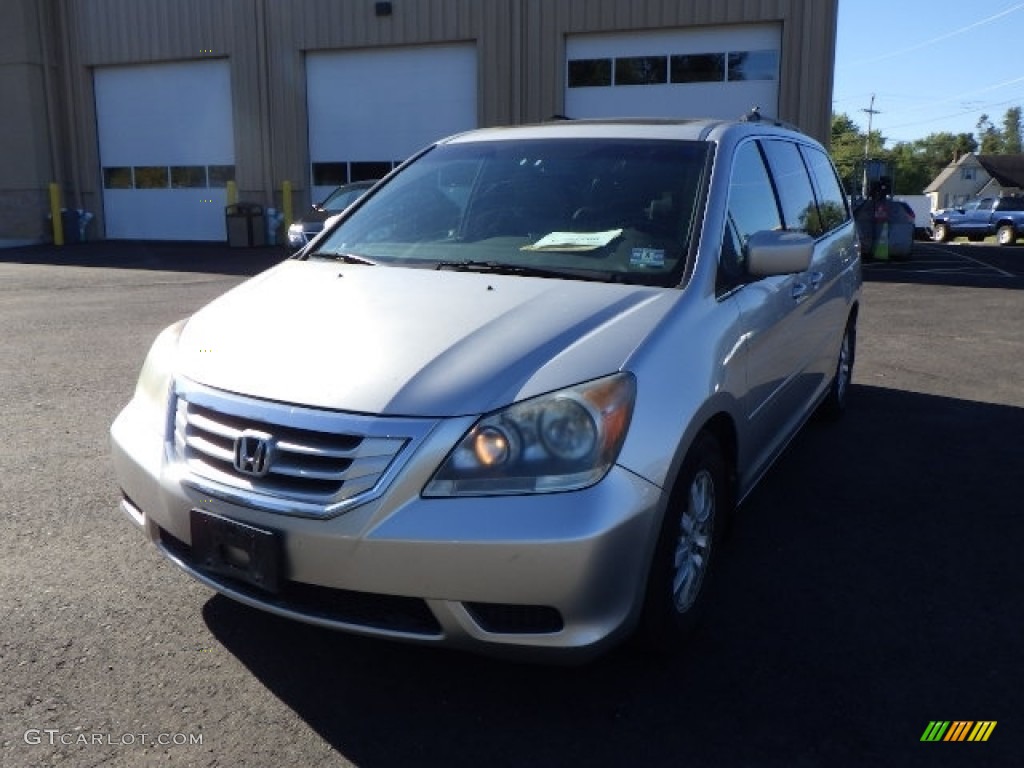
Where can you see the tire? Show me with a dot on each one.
(834, 404)
(1006, 234)
(688, 547)
(940, 232)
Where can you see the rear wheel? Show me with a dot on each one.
(940, 232)
(1006, 234)
(688, 544)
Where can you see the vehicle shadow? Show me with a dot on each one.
(212, 258)
(949, 264)
(871, 584)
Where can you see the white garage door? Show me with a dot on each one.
(704, 72)
(166, 149)
(371, 109)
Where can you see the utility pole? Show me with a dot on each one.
(867, 143)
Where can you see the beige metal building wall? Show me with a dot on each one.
(28, 147)
(520, 46)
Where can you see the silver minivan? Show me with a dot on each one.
(508, 401)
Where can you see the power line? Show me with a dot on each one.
(940, 38)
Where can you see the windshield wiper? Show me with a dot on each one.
(502, 268)
(348, 258)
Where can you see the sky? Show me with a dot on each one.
(933, 65)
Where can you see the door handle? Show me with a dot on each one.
(799, 292)
(816, 278)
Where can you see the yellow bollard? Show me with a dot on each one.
(55, 215)
(286, 202)
(232, 192)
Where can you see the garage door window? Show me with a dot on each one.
(698, 68)
(732, 66)
(163, 177)
(188, 176)
(641, 70)
(590, 73)
(151, 177)
(117, 178)
(334, 174)
(220, 175)
(754, 65)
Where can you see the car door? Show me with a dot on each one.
(831, 279)
(977, 219)
(769, 313)
(800, 213)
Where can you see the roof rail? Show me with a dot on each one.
(755, 116)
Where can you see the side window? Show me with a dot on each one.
(752, 208)
(986, 204)
(799, 209)
(832, 204)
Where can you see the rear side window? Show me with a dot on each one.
(832, 205)
(799, 208)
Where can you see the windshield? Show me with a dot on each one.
(343, 197)
(587, 208)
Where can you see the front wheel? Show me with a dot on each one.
(940, 232)
(834, 403)
(690, 536)
(1006, 235)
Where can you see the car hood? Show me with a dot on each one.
(412, 342)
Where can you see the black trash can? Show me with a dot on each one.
(246, 225)
(70, 220)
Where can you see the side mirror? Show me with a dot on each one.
(772, 252)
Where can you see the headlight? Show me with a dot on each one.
(295, 233)
(561, 441)
(154, 382)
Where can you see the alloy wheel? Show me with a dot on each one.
(693, 546)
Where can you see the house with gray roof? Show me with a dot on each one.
(976, 176)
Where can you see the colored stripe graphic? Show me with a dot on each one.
(958, 730)
(935, 731)
(982, 730)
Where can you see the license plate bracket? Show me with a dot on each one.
(238, 550)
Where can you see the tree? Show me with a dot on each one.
(917, 163)
(914, 164)
(1011, 131)
(990, 140)
(847, 150)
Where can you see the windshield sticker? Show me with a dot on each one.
(574, 241)
(647, 257)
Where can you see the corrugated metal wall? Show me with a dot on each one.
(520, 44)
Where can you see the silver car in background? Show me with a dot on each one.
(508, 401)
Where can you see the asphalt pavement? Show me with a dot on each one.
(872, 583)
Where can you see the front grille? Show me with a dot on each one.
(393, 613)
(319, 461)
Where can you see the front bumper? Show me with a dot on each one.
(560, 574)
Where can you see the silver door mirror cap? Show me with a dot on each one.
(772, 252)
